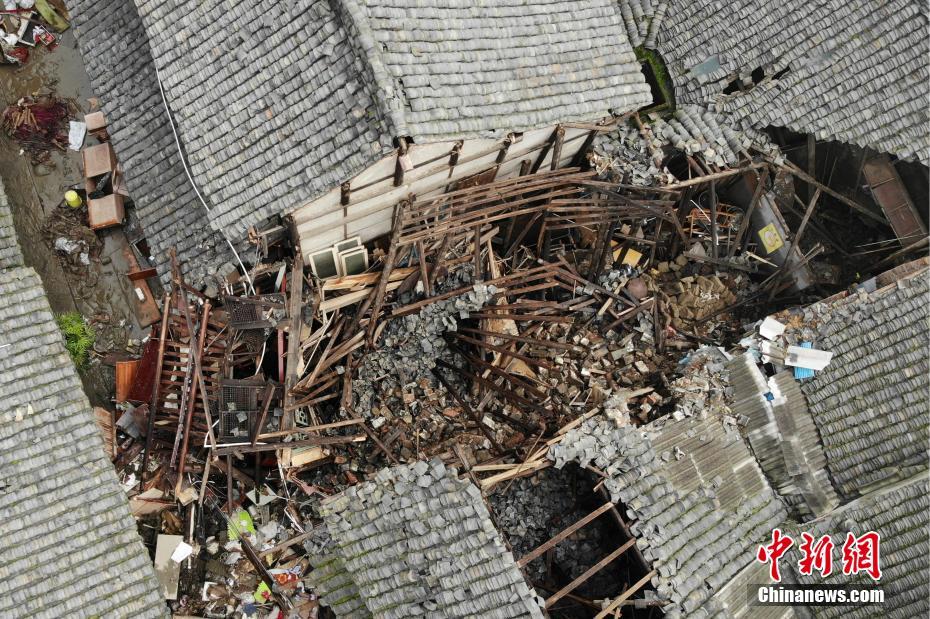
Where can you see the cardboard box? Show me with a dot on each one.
(106, 212)
(98, 160)
(95, 121)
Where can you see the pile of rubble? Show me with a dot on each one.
(492, 323)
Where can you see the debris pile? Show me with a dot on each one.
(493, 321)
(39, 125)
(26, 24)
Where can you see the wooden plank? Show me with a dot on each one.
(801, 174)
(807, 215)
(295, 305)
(625, 595)
(125, 378)
(540, 550)
(153, 406)
(597, 567)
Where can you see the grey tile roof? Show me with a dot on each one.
(278, 102)
(783, 437)
(334, 585)
(459, 69)
(856, 70)
(272, 102)
(731, 601)
(416, 540)
(695, 129)
(901, 515)
(870, 403)
(694, 493)
(116, 54)
(10, 254)
(70, 545)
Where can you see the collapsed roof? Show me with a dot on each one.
(417, 540)
(696, 497)
(70, 546)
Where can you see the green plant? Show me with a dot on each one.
(660, 71)
(79, 337)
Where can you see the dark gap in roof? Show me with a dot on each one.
(781, 73)
(735, 85)
(758, 74)
(531, 510)
(654, 88)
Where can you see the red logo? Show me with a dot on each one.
(774, 551)
(860, 554)
(816, 556)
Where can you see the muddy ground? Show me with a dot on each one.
(100, 291)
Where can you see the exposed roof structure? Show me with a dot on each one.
(70, 545)
(694, 493)
(783, 436)
(418, 541)
(870, 403)
(276, 103)
(901, 514)
(851, 71)
(116, 54)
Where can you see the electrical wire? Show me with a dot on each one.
(190, 178)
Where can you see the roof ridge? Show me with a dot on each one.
(391, 104)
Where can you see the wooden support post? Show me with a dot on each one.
(811, 161)
(201, 340)
(806, 218)
(557, 147)
(716, 176)
(153, 406)
(454, 156)
(198, 370)
(744, 224)
(424, 272)
(294, 309)
(229, 484)
(266, 404)
(525, 166)
(477, 253)
(398, 164)
(437, 263)
(714, 240)
(502, 153)
(545, 150)
(386, 273)
(345, 192)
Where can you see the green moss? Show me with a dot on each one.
(660, 71)
(79, 337)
